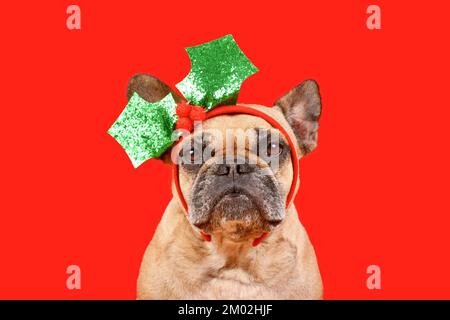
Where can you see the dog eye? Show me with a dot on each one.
(189, 155)
(274, 149)
(193, 155)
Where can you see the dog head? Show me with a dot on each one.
(235, 171)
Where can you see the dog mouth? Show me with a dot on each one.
(239, 216)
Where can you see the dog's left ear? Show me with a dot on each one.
(302, 107)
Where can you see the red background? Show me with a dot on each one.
(374, 192)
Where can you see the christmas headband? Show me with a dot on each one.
(146, 130)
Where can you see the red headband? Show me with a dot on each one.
(274, 123)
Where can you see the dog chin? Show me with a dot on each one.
(236, 217)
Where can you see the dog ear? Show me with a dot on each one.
(152, 90)
(302, 108)
(149, 88)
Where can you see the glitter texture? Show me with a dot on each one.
(144, 129)
(218, 69)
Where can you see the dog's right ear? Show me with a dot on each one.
(149, 88)
(152, 90)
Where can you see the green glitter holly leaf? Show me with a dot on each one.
(218, 69)
(144, 129)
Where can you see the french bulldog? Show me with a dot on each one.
(235, 202)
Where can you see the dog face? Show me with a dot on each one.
(235, 171)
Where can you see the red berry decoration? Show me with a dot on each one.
(183, 109)
(184, 123)
(197, 113)
(187, 114)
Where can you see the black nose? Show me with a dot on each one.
(230, 167)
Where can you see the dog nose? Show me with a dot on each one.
(243, 168)
(228, 168)
(223, 170)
